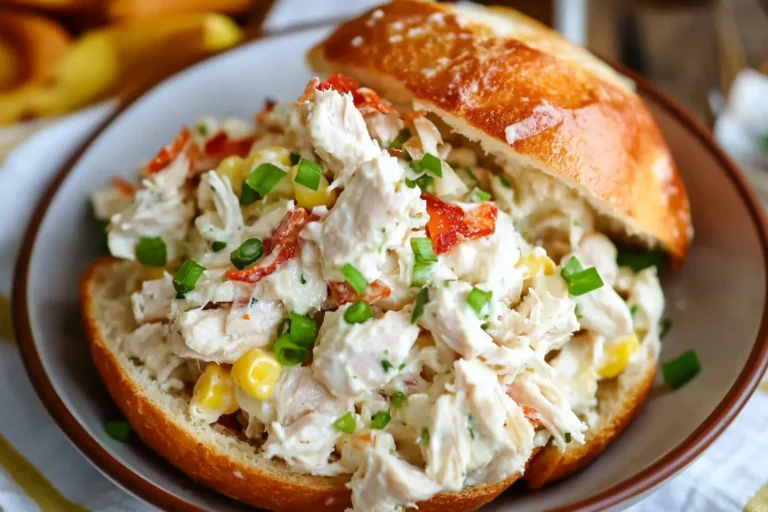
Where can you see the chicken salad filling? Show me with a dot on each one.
(358, 294)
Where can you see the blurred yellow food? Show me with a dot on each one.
(120, 58)
(135, 9)
(59, 5)
(32, 46)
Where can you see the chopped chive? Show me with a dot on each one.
(386, 364)
(294, 158)
(151, 251)
(261, 181)
(248, 195)
(380, 419)
(309, 174)
(478, 300)
(633, 309)
(418, 307)
(248, 252)
(185, 279)
(638, 261)
(358, 312)
(472, 175)
(471, 426)
(478, 196)
(504, 181)
(289, 353)
(677, 372)
(398, 399)
(666, 326)
(119, 430)
(424, 182)
(218, 246)
(402, 137)
(432, 164)
(765, 141)
(202, 129)
(422, 273)
(346, 423)
(423, 437)
(355, 279)
(567, 437)
(422, 249)
(579, 280)
(303, 330)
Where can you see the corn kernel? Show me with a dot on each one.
(152, 273)
(256, 373)
(617, 356)
(233, 168)
(273, 155)
(214, 393)
(308, 198)
(535, 264)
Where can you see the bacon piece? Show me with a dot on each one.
(168, 153)
(279, 248)
(341, 292)
(221, 146)
(449, 225)
(362, 96)
(126, 187)
(308, 94)
(269, 106)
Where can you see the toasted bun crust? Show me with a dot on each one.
(530, 98)
(208, 454)
(619, 400)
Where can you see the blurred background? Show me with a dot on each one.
(59, 56)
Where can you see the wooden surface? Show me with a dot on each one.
(677, 46)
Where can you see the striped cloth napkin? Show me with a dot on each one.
(40, 470)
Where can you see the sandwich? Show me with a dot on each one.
(430, 274)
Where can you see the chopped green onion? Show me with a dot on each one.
(309, 174)
(418, 307)
(358, 312)
(567, 437)
(248, 195)
(677, 372)
(202, 129)
(432, 164)
(765, 141)
(151, 251)
(294, 158)
(402, 137)
(303, 330)
(380, 419)
(185, 279)
(422, 248)
(289, 353)
(478, 300)
(472, 175)
(104, 237)
(638, 261)
(633, 309)
(387, 365)
(579, 280)
(355, 279)
(478, 196)
(423, 437)
(471, 426)
(666, 326)
(398, 399)
(261, 181)
(504, 181)
(424, 182)
(346, 423)
(422, 273)
(218, 246)
(248, 252)
(119, 430)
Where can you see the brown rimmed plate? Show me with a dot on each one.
(717, 301)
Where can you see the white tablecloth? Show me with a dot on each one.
(40, 470)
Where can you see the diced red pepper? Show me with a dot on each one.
(362, 96)
(532, 415)
(167, 154)
(221, 146)
(449, 225)
(341, 292)
(279, 248)
(126, 187)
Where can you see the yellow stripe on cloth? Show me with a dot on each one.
(6, 327)
(34, 484)
(759, 502)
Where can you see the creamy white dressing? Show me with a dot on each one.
(478, 390)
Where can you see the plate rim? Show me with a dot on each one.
(639, 484)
